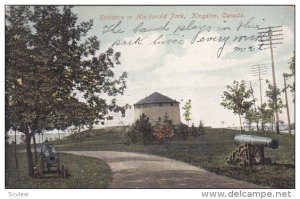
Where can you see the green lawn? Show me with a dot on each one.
(207, 151)
(85, 172)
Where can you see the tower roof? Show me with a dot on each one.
(156, 98)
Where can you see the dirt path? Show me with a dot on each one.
(135, 170)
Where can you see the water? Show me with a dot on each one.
(38, 137)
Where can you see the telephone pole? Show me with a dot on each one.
(258, 71)
(287, 104)
(272, 33)
(251, 88)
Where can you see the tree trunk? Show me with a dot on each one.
(16, 158)
(29, 154)
(79, 134)
(241, 122)
(262, 126)
(273, 124)
(257, 127)
(58, 135)
(34, 148)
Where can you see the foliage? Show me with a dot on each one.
(237, 99)
(181, 131)
(266, 114)
(54, 75)
(292, 75)
(252, 115)
(141, 131)
(163, 130)
(274, 101)
(187, 111)
(200, 129)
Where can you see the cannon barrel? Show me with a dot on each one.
(256, 141)
(49, 153)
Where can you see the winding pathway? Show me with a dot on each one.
(135, 170)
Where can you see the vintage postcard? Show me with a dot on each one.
(149, 96)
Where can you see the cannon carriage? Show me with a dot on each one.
(250, 150)
(49, 161)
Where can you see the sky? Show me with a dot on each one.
(191, 52)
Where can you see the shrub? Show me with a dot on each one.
(163, 132)
(163, 129)
(141, 131)
(181, 132)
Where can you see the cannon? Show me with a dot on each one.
(250, 150)
(49, 154)
(49, 158)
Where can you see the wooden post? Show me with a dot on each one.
(261, 155)
(287, 105)
(274, 82)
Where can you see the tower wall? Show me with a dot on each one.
(155, 111)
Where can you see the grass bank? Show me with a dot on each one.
(207, 151)
(85, 172)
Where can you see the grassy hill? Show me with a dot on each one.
(207, 151)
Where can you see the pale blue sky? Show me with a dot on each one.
(192, 71)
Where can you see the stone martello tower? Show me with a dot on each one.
(156, 106)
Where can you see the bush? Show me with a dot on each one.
(181, 132)
(141, 131)
(163, 132)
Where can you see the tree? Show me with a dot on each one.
(163, 130)
(141, 131)
(222, 122)
(237, 99)
(252, 116)
(188, 115)
(292, 75)
(266, 114)
(200, 129)
(54, 73)
(274, 101)
(187, 111)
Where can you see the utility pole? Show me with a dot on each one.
(251, 88)
(269, 37)
(287, 104)
(259, 70)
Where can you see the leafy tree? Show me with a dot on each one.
(187, 111)
(292, 75)
(54, 74)
(194, 130)
(252, 116)
(181, 131)
(200, 129)
(141, 131)
(163, 130)
(266, 114)
(187, 114)
(237, 99)
(274, 101)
